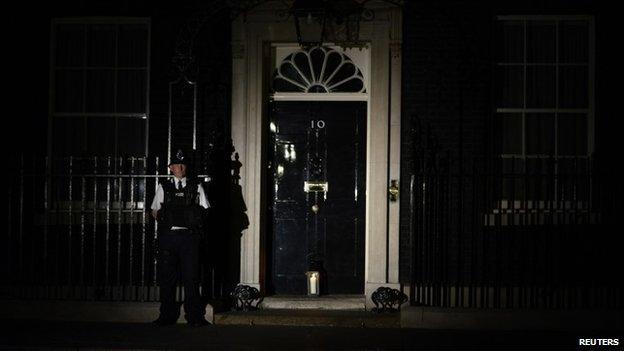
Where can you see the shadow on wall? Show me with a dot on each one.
(227, 218)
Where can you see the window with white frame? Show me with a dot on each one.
(99, 86)
(544, 99)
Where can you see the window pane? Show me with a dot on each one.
(573, 180)
(573, 41)
(512, 179)
(131, 136)
(513, 165)
(68, 90)
(510, 86)
(101, 136)
(510, 42)
(541, 86)
(509, 136)
(540, 180)
(132, 45)
(572, 138)
(541, 165)
(100, 90)
(101, 45)
(540, 133)
(68, 136)
(131, 90)
(573, 166)
(69, 48)
(573, 87)
(541, 42)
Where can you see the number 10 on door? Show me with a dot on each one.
(317, 124)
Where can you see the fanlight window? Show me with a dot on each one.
(318, 70)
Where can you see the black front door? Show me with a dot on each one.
(317, 188)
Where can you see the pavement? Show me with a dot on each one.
(57, 335)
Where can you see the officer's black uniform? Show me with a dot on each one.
(178, 252)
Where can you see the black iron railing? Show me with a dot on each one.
(483, 235)
(513, 233)
(81, 228)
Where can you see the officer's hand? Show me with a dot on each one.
(155, 214)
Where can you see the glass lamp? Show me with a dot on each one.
(310, 17)
(314, 283)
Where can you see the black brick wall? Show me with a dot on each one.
(446, 88)
(447, 84)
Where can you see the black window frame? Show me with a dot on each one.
(84, 117)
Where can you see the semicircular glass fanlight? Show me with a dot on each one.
(318, 70)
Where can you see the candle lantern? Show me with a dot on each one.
(314, 283)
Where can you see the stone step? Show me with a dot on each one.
(327, 302)
(310, 318)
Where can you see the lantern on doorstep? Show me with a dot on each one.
(314, 283)
(315, 275)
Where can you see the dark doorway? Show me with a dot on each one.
(317, 188)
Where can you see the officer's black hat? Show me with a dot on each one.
(178, 158)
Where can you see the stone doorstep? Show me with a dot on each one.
(310, 318)
(321, 311)
(327, 302)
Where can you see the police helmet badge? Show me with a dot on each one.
(178, 158)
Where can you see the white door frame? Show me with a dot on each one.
(252, 38)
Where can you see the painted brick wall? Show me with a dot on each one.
(447, 84)
(446, 88)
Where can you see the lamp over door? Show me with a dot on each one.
(310, 17)
(336, 21)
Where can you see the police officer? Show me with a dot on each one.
(179, 207)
